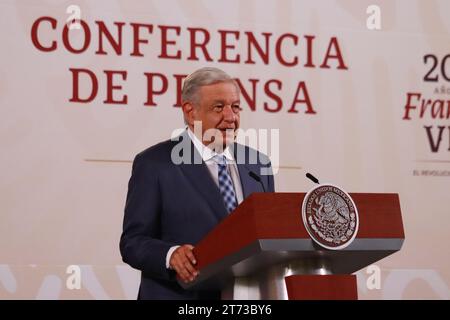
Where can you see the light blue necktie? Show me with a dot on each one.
(226, 185)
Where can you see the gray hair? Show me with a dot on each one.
(203, 77)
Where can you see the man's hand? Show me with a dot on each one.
(183, 262)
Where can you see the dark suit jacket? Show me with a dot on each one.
(173, 204)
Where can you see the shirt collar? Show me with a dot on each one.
(207, 153)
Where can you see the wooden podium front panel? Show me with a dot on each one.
(278, 216)
(321, 287)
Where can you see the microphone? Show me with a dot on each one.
(312, 178)
(257, 178)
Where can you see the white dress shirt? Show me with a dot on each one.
(208, 156)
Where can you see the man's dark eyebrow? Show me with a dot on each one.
(222, 101)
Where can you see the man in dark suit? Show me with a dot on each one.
(181, 189)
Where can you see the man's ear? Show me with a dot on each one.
(189, 113)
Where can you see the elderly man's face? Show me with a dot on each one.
(218, 108)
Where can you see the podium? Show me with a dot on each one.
(263, 251)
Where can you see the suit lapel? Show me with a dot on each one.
(198, 175)
(249, 185)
